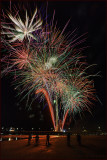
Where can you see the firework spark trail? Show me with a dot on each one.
(49, 103)
(64, 119)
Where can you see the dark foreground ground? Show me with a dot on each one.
(93, 147)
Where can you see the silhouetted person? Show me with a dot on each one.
(79, 139)
(68, 139)
(37, 139)
(47, 139)
(29, 138)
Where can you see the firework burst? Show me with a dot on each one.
(19, 30)
(49, 64)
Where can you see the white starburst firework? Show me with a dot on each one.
(21, 30)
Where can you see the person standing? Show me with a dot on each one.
(37, 139)
(47, 140)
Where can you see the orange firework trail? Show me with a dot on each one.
(49, 103)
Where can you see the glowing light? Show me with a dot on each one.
(9, 139)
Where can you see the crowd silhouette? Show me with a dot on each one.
(78, 137)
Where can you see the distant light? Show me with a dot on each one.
(99, 127)
(32, 128)
(2, 127)
(12, 129)
(9, 139)
(63, 130)
(0, 139)
(17, 128)
(39, 128)
(84, 130)
(16, 138)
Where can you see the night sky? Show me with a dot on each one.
(86, 17)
